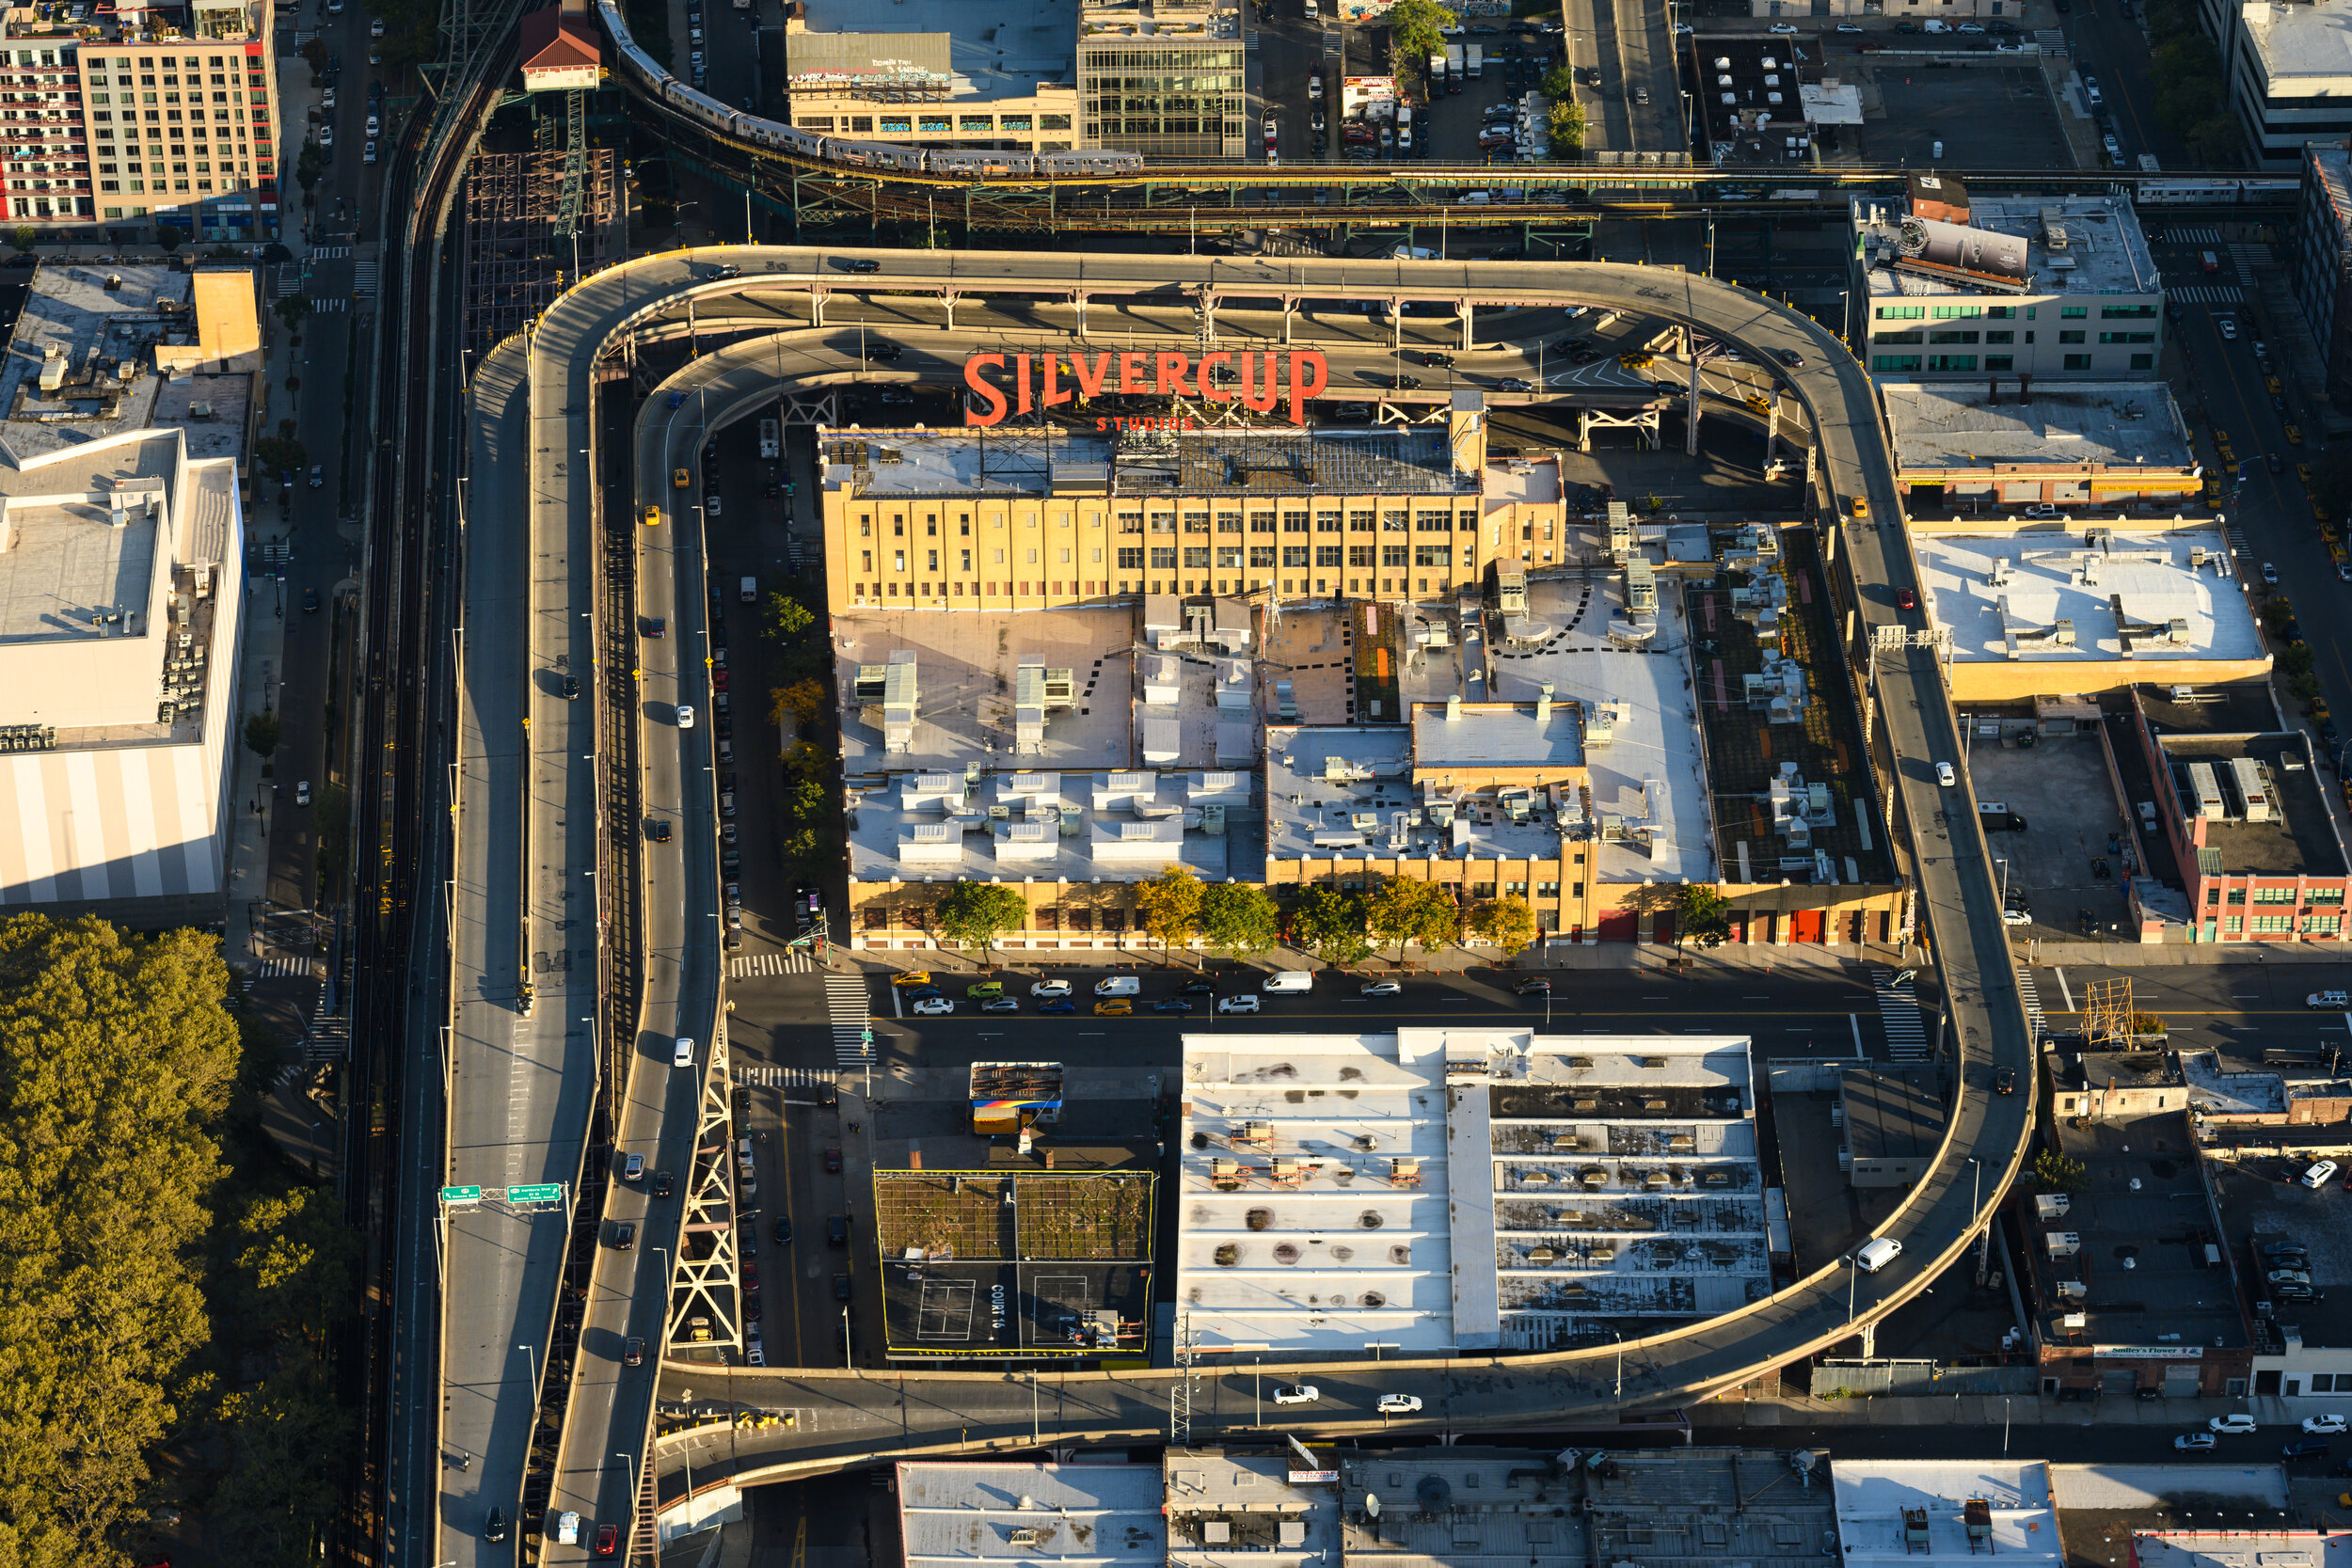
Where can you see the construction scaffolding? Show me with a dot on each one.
(2107, 1015)
(518, 254)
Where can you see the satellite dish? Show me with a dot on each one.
(1371, 1505)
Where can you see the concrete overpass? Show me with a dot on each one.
(836, 1420)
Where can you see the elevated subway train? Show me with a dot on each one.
(761, 132)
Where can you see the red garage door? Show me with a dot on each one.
(1618, 926)
(1663, 927)
(1808, 926)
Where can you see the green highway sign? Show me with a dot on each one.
(534, 1194)
(461, 1194)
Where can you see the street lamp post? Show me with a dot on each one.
(1853, 1272)
(531, 1362)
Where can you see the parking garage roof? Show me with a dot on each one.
(1958, 424)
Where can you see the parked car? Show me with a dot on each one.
(2305, 1447)
(2190, 1442)
(1381, 987)
(1399, 1404)
(1296, 1393)
(2238, 1425)
(2325, 1426)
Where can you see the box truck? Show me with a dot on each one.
(1474, 61)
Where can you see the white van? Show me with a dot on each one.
(1119, 985)
(1289, 980)
(750, 590)
(1876, 1255)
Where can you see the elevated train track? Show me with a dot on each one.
(828, 1420)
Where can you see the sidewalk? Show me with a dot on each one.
(1992, 1410)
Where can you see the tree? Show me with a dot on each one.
(791, 707)
(169, 236)
(2055, 1172)
(1330, 924)
(788, 617)
(1238, 919)
(1507, 923)
(291, 309)
(1416, 29)
(26, 236)
(260, 733)
(279, 454)
(117, 1060)
(1567, 127)
(974, 914)
(1168, 905)
(1558, 84)
(1701, 915)
(309, 166)
(2331, 482)
(1404, 908)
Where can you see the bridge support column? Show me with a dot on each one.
(1290, 311)
(1470, 330)
(1207, 304)
(1869, 1342)
(817, 308)
(1691, 421)
(1396, 326)
(1079, 300)
(948, 299)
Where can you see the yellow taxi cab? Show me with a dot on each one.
(2303, 473)
(2276, 390)
(1861, 507)
(1635, 361)
(2319, 512)
(2294, 436)
(653, 516)
(1120, 1008)
(681, 478)
(912, 977)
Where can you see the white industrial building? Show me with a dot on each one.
(1066, 1516)
(1435, 1190)
(120, 603)
(1890, 1511)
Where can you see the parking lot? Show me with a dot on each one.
(2073, 824)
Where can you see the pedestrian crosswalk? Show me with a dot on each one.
(2250, 255)
(285, 969)
(331, 305)
(2208, 293)
(365, 274)
(329, 1039)
(2033, 1002)
(2192, 234)
(1899, 1015)
(286, 278)
(847, 1003)
(329, 252)
(783, 1077)
(747, 966)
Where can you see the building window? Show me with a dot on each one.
(2078, 362)
(1326, 555)
(1130, 560)
(1360, 555)
(2143, 361)
(1894, 362)
(2272, 924)
(1261, 522)
(2127, 312)
(1294, 555)
(1359, 522)
(2273, 895)
(1433, 555)
(1951, 361)
(2074, 312)
(1327, 522)
(2126, 338)
(2072, 335)
(1951, 336)
(1392, 555)
(1293, 522)
(1229, 556)
(1392, 522)
(1163, 558)
(1999, 361)
(2325, 895)
(1262, 554)
(2323, 924)
(1902, 312)
(2000, 336)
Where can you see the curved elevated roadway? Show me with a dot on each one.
(840, 1419)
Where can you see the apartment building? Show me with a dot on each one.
(2319, 260)
(2289, 72)
(140, 123)
(1947, 285)
(1165, 79)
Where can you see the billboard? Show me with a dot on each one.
(1257, 381)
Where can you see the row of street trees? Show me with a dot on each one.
(1338, 928)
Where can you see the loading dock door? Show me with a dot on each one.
(1806, 925)
(2180, 1380)
(1618, 926)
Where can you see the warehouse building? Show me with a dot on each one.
(1991, 447)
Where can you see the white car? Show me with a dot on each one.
(682, 1053)
(1972, 27)
(1314, 86)
(2320, 1175)
(934, 1006)
(1236, 1004)
(1399, 1404)
(1050, 988)
(2328, 1001)
(1381, 987)
(2270, 573)
(2017, 917)
(2325, 1426)
(686, 716)
(1849, 27)
(2228, 326)
(375, 126)
(368, 154)
(1782, 27)
(2189, 1442)
(2239, 1425)
(1270, 129)
(2044, 510)
(1944, 776)
(302, 793)
(1296, 1393)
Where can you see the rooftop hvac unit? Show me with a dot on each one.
(2050, 1206)
(2062, 1244)
(2206, 787)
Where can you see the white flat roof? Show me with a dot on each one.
(1311, 1247)
(1649, 771)
(2056, 576)
(1079, 1514)
(2301, 1548)
(1045, 826)
(964, 666)
(1873, 1494)
(2305, 50)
